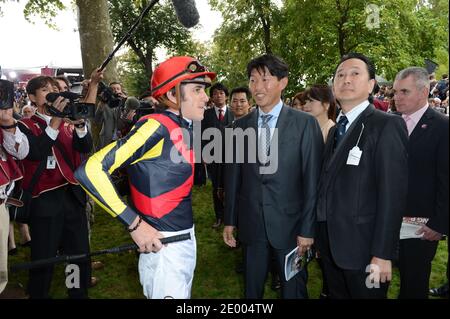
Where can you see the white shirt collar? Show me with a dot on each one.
(45, 117)
(353, 114)
(184, 118)
(224, 109)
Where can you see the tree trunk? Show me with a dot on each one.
(96, 43)
(96, 37)
(343, 18)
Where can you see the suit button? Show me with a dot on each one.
(264, 182)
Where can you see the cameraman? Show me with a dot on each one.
(109, 111)
(58, 216)
(13, 143)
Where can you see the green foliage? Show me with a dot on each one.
(159, 29)
(245, 33)
(312, 35)
(44, 9)
(132, 74)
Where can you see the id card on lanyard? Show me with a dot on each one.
(51, 162)
(354, 156)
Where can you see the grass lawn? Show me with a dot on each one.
(215, 275)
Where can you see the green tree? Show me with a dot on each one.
(312, 35)
(248, 30)
(439, 10)
(159, 29)
(132, 74)
(395, 34)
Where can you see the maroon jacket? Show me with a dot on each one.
(9, 170)
(42, 146)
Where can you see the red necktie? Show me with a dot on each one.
(220, 115)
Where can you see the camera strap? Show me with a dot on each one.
(54, 111)
(37, 175)
(64, 155)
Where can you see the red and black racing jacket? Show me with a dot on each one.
(159, 161)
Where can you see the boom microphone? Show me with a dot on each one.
(186, 12)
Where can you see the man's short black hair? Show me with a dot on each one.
(276, 66)
(241, 89)
(218, 87)
(39, 82)
(64, 79)
(353, 55)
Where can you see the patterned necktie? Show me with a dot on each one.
(340, 130)
(220, 115)
(264, 139)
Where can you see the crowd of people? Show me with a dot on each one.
(355, 172)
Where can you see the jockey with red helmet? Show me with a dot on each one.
(159, 159)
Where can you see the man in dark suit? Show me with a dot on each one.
(362, 189)
(427, 200)
(270, 197)
(217, 118)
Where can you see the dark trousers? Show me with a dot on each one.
(257, 259)
(342, 283)
(218, 204)
(415, 257)
(199, 174)
(58, 221)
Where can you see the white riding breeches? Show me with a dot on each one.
(169, 272)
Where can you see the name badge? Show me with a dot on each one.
(354, 156)
(51, 162)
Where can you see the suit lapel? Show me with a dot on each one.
(424, 124)
(339, 156)
(282, 125)
(252, 123)
(228, 116)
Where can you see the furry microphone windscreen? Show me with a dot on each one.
(186, 12)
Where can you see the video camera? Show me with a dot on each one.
(107, 96)
(145, 108)
(6, 94)
(75, 110)
(132, 111)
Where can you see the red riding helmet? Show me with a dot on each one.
(176, 70)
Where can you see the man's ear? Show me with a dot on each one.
(372, 83)
(425, 92)
(171, 97)
(284, 82)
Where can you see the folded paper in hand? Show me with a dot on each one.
(410, 226)
(292, 264)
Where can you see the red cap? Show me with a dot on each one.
(176, 70)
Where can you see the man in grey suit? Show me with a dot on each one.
(362, 189)
(272, 200)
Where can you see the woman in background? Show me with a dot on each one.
(320, 102)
